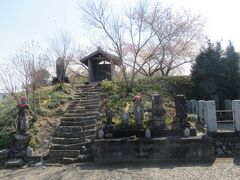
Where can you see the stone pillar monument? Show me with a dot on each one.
(60, 68)
(158, 112)
(194, 107)
(201, 111)
(236, 114)
(210, 116)
(188, 106)
(181, 112)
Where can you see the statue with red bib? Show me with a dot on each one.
(23, 112)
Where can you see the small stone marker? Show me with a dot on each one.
(210, 116)
(236, 114)
(158, 112)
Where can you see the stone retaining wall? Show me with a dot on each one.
(156, 149)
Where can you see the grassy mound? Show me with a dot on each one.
(166, 87)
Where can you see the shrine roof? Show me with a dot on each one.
(101, 55)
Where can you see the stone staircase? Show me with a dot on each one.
(72, 140)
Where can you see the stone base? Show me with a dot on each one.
(33, 159)
(155, 132)
(14, 163)
(156, 149)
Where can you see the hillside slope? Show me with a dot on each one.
(50, 105)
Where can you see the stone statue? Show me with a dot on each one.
(138, 110)
(158, 112)
(109, 126)
(125, 115)
(60, 68)
(23, 110)
(109, 116)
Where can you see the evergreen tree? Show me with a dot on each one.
(206, 71)
(232, 76)
(216, 72)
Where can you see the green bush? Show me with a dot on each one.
(6, 136)
(53, 104)
(59, 111)
(41, 111)
(34, 141)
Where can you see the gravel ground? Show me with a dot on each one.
(220, 169)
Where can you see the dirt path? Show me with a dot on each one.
(220, 169)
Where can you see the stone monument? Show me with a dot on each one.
(181, 112)
(60, 71)
(158, 112)
(138, 111)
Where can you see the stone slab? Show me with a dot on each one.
(13, 163)
(4, 154)
(236, 114)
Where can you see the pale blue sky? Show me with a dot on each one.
(25, 20)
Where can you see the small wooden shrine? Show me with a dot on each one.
(101, 65)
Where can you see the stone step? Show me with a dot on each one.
(97, 91)
(63, 153)
(87, 90)
(58, 140)
(76, 146)
(87, 86)
(81, 111)
(69, 128)
(84, 104)
(75, 128)
(79, 108)
(86, 100)
(87, 97)
(90, 137)
(85, 93)
(83, 118)
(73, 114)
(78, 123)
(75, 134)
(70, 110)
(61, 160)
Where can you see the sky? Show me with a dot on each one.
(26, 20)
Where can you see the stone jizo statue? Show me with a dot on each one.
(23, 113)
(109, 116)
(138, 110)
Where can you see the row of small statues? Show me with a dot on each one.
(138, 113)
(158, 114)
